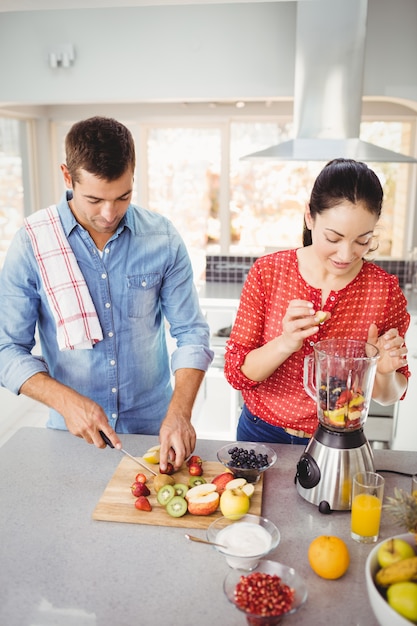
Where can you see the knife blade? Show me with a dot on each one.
(109, 443)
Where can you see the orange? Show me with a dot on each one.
(328, 556)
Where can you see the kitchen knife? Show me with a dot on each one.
(109, 443)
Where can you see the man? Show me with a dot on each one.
(99, 278)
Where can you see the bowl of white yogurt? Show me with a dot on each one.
(246, 541)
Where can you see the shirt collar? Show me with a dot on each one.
(69, 222)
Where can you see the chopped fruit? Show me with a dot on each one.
(143, 504)
(196, 480)
(180, 489)
(249, 489)
(200, 490)
(168, 470)
(320, 317)
(177, 506)
(162, 479)
(140, 478)
(194, 459)
(337, 416)
(236, 483)
(195, 469)
(221, 481)
(165, 494)
(203, 499)
(139, 489)
(151, 456)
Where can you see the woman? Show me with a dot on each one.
(280, 313)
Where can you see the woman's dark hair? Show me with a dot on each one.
(100, 145)
(340, 180)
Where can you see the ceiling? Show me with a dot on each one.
(46, 5)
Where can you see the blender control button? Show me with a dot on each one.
(308, 472)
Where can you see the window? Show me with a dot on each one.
(262, 207)
(13, 162)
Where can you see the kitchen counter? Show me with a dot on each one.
(59, 567)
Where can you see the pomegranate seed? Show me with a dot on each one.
(263, 594)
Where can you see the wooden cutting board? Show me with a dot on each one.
(117, 504)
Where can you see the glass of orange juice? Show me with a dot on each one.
(367, 496)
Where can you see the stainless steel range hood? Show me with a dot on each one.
(330, 50)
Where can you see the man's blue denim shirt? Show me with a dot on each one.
(142, 283)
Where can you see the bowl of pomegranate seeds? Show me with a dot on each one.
(267, 593)
(247, 459)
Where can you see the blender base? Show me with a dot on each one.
(327, 466)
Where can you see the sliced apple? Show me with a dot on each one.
(202, 499)
(204, 505)
(249, 489)
(236, 483)
(200, 490)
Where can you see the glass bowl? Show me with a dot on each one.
(288, 577)
(244, 470)
(247, 540)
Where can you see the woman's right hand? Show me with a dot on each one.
(300, 322)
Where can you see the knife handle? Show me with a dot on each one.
(106, 439)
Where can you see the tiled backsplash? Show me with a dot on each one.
(233, 269)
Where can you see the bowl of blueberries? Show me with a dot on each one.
(247, 459)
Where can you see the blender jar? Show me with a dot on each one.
(339, 376)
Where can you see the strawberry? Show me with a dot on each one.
(195, 469)
(140, 478)
(168, 470)
(139, 489)
(143, 504)
(194, 459)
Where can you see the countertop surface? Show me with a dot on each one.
(59, 567)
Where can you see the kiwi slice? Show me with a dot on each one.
(165, 494)
(196, 480)
(177, 506)
(180, 489)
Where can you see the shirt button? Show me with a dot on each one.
(114, 415)
(107, 305)
(112, 362)
(104, 276)
(332, 298)
(110, 334)
(143, 283)
(311, 343)
(107, 250)
(114, 390)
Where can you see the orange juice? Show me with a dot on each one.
(366, 515)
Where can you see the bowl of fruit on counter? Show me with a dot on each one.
(246, 459)
(391, 567)
(266, 594)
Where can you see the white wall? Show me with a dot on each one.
(187, 52)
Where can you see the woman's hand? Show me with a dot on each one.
(392, 350)
(300, 321)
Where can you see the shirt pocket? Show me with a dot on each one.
(143, 294)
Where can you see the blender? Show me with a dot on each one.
(339, 376)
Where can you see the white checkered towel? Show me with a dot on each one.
(76, 319)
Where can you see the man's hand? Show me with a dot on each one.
(177, 435)
(83, 417)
